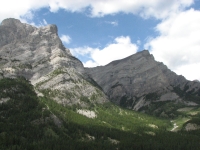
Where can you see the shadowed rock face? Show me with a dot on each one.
(39, 55)
(139, 80)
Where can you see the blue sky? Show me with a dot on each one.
(100, 31)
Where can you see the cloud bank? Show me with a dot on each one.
(96, 8)
(178, 43)
(65, 39)
(120, 48)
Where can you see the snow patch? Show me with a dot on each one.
(113, 141)
(153, 126)
(174, 128)
(89, 137)
(150, 133)
(87, 113)
(3, 100)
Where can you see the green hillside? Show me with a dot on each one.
(31, 122)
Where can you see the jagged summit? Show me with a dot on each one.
(15, 23)
(135, 71)
(13, 30)
(39, 55)
(10, 22)
(144, 53)
(138, 80)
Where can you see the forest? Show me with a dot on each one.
(29, 122)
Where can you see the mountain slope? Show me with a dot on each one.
(138, 82)
(25, 122)
(39, 55)
(39, 123)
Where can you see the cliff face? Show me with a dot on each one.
(39, 55)
(138, 81)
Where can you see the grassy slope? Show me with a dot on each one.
(113, 127)
(187, 115)
(132, 129)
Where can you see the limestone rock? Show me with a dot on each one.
(191, 126)
(138, 81)
(39, 55)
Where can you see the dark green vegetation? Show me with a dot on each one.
(31, 122)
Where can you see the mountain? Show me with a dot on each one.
(48, 100)
(137, 82)
(140, 83)
(39, 55)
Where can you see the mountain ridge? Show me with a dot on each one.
(138, 81)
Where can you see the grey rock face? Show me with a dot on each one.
(39, 55)
(192, 126)
(138, 81)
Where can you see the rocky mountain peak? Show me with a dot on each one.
(50, 28)
(38, 55)
(138, 81)
(11, 22)
(141, 57)
(144, 53)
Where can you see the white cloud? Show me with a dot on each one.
(178, 44)
(41, 23)
(90, 63)
(45, 22)
(83, 50)
(156, 8)
(191, 71)
(65, 39)
(19, 8)
(114, 23)
(138, 42)
(121, 47)
(28, 16)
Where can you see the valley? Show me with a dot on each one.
(113, 127)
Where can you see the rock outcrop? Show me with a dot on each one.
(139, 81)
(39, 55)
(191, 127)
